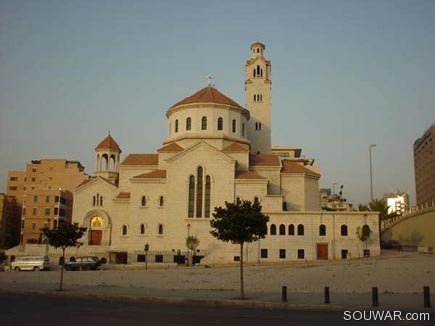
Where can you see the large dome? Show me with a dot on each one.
(208, 94)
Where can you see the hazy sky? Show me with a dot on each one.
(345, 74)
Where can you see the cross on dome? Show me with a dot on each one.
(210, 79)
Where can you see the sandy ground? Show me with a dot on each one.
(392, 272)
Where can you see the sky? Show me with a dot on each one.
(345, 74)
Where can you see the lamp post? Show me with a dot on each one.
(147, 248)
(188, 235)
(371, 173)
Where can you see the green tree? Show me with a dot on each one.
(192, 243)
(239, 222)
(63, 236)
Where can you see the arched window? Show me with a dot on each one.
(176, 125)
(291, 229)
(191, 204)
(143, 201)
(282, 229)
(142, 229)
(207, 195)
(199, 192)
(234, 125)
(220, 124)
(344, 230)
(322, 229)
(204, 123)
(124, 229)
(188, 123)
(300, 229)
(273, 229)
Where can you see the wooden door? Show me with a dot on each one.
(322, 251)
(96, 236)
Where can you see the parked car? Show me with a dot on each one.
(391, 244)
(81, 263)
(30, 263)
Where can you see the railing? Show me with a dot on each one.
(387, 224)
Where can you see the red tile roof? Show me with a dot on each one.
(141, 159)
(294, 167)
(264, 160)
(123, 195)
(235, 147)
(208, 94)
(247, 175)
(108, 143)
(85, 181)
(158, 174)
(172, 147)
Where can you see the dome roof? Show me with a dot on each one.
(208, 94)
(108, 143)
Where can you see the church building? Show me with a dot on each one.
(216, 150)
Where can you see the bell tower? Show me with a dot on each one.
(258, 86)
(108, 157)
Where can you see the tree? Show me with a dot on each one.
(239, 222)
(192, 243)
(381, 206)
(63, 236)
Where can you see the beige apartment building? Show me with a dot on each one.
(424, 168)
(43, 194)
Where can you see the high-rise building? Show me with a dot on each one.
(43, 194)
(424, 167)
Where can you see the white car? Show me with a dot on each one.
(30, 263)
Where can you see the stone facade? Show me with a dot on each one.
(216, 151)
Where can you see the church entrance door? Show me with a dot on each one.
(96, 236)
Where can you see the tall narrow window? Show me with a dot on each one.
(160, 229)
(176, 125)
(291, 229)
(161, 201)
(234, 125)
(124, 229)
(220, 124)
(188, 123)
(144, 201)
(204, 123)
(344, 230)
(142, 229)
(322, 229)
(199, 187)
(282, 229)
(207, 195)
(273, 229)
(300, 229)
(191, 196)
(243, 130)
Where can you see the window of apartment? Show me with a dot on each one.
(322, 230)
(291, 229)
(300, 229)
(263, 253)
(34, 211)
(35, 198)
(282, 229)
(33, 179)
(343, 230)
(47, 199)
(12, 188)
(301, 254)
(13, 179)
(273, 229)
(282, 253)
(33, 226)
(47, 211)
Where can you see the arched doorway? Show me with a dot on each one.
(96, 231)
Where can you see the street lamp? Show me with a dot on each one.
(188, 235)
(147, 248)
(371, 173)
